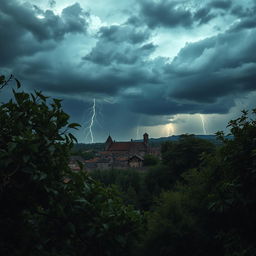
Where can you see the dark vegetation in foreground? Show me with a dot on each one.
(199, 200)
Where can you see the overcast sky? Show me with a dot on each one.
(164, 67)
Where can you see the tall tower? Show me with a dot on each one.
(108, 142)
(145, 138)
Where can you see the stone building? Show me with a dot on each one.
(121, 154)
(129, 148)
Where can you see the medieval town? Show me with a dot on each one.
(129, 154)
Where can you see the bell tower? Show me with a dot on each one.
(145, 138)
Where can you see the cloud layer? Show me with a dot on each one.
(76, 56)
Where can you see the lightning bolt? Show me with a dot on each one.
(137, 132)
(91, 122)
(138, 127)
(203, 124)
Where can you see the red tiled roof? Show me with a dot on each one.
(94, 160)
(104, 153)
(122, 159)
(127, 146)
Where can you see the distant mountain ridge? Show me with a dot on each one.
(210, 137)
(176, 137)
(157, 141)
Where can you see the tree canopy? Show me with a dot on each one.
(212, 211)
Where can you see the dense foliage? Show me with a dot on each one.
(150, 160)
(199, 200)
(130, 183)
(211, 211)
(185, 154)
(142, 187)
(45, 208)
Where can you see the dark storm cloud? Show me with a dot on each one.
(246, 16)
(170, 106)
(241, 10)
(105, 54)
(211, 86)
(222, 4)
(165, 13)
(204, 15)
(83, 81)
(51, 26)
(215, 68)
(98, 73)
(25, 34)
(226, 50)
(121, 44)
(17, 42)
(247, 22)
(172, 14)
(52, 3)
(205, 77)
(76, 84)
(74, 18)
(124, 33)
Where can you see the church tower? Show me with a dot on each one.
(108, 142)
(145, 138)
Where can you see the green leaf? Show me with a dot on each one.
(57, 102)
(74, 125)
(41, 96)
(105, 226)
(17, 83)
(81, 166)
(26, 158)
(42, 175)
(2, 79)
(72, 137)
(11, 146)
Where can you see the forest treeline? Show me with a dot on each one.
(141, 187)
(198, 200)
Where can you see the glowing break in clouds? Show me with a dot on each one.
(169, 129)
(91, 122)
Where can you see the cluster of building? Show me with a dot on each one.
(118, 155)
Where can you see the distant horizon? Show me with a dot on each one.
(149, 138)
